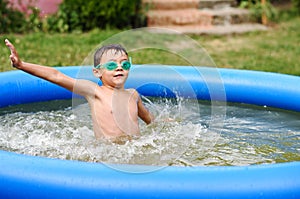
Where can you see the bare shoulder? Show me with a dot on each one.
(85, 87)
(85, 83)
(132, 91)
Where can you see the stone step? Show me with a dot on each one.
(216, 4)
(203, 17)
(200, 16)
(178, 17)
(211, 30)
(228, 15)
(184, 4)
(170, 4)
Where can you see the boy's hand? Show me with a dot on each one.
(14, 58)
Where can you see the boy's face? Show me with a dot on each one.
(113, 78)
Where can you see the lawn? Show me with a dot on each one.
(275, 50)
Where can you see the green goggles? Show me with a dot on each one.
(112, 65)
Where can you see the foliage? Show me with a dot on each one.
(296, 6)
(257, 9)
(73, 15)
(11, 20)
(85, 15)
(33, 20)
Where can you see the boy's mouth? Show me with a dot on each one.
(119, 75)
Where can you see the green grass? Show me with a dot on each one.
(52, 49)
(276, 50)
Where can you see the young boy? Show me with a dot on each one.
(114, 110)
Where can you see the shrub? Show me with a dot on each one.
(11, 20)
(296, 5)
(257, 9)
(86, 15)
(74, 15)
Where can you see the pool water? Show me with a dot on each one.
(185, 133)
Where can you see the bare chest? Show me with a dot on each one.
(121, 103)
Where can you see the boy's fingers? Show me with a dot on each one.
(10, 46)
(7, 43)
(12, 59)
(13, 53)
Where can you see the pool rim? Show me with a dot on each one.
(37, 176)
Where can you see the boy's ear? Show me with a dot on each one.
(97, 73)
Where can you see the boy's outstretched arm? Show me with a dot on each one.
(44, 72)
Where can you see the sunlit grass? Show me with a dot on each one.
(276, 50)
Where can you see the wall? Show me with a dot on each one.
(46, 6)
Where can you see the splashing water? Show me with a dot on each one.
(181, 136)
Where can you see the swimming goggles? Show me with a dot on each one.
(112, 65)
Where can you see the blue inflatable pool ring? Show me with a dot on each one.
(23, 176)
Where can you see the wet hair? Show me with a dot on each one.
(99, 53)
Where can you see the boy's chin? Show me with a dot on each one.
(119, 84)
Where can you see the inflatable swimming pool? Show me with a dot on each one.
(36, 177)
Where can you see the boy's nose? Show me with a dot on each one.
(119, 67)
